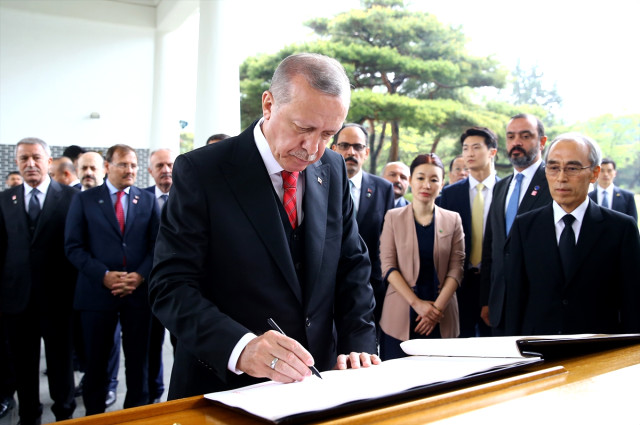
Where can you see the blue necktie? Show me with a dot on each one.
(34, 206)
(163, 200)
(605, 199)
(512, 207)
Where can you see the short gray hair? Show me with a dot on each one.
(34, 141)
(323, 73)
(595, 154)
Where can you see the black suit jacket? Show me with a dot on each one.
(376, 198)
(95, 245)
(223, 264)
(493, 279)
(623, 201)
(35, 265)
(455, 197)
(602, 294)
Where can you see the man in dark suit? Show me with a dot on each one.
(471, 198)
(397, 173)
(610, 196)
(36, 291)
(587, 280)
(161, 169)
(373, 197)
(63, 171)
(261, 226)
(109, 237)
(525, 141)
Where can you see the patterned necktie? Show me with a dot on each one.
(477, 219)
(34, 206)
(605, 199)
(512, 207)
(289, 183)
(120, 211)
(567, 244)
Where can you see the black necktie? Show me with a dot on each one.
(34, 206)
(567, 245)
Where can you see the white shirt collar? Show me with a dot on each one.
(357, 180)
(530, 171)
(489, 182)
(159, 193)
(273, 167)
(42, 187)
(578, 213)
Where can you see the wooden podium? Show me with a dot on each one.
(584, 389)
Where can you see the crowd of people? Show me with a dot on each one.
(281, 222)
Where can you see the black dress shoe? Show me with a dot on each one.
(111, 399)
(6, 404)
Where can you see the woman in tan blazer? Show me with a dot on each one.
(422, 255)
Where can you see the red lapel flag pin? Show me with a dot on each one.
(535, 191)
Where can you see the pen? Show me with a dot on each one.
(275, 327)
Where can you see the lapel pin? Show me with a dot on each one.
(535, 191)
(101, 201)
(617, 194)
(135, 201)
(369, 192)
(440, 230)
(319, 180)
(14, 199)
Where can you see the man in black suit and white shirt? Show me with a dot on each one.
(525, 141)
(608, 195)
(373, 197)
(583, 277)
(36, 290)
(262, 226)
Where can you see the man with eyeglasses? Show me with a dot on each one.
(586, 280)
(372, 196)
(524, 190)
(110, 236)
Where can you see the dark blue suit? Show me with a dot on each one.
(376, 198)
(223, 264)
(36, 296)
(402, 202)
(455, 197)
(95, 245)
(623, 201)
(602, 292)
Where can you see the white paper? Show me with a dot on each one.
(273, 401)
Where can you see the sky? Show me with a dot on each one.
(588, 48)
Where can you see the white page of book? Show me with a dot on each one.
(273, 401)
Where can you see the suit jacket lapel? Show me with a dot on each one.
(316, 205)
(18, 213)
(501, 198)
(248, 179)
(533, 191)
(617, 201)
(132, 208)
(367, 191)
(48, 208)
(107, 208)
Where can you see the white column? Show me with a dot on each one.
(218, 88)
(165, 126)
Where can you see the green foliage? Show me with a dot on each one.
(186, 142)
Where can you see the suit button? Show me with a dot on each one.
(307, 322)
(124, 245)
(295, 236)
(565, 302)
(298, 265)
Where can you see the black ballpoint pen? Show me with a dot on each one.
(275, 327)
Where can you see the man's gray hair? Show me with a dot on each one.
(323, 73)
(34, 141)
(153, 152)
(595, 154)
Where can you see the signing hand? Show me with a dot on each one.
(355, 360)
(292, 363)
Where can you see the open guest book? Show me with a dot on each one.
(434, 365)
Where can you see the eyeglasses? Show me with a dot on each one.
(571, 170)
(125, 166)
(344, 146)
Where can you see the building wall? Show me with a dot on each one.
(60, 62)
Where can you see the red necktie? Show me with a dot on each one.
(289, 183)
(120, 211)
